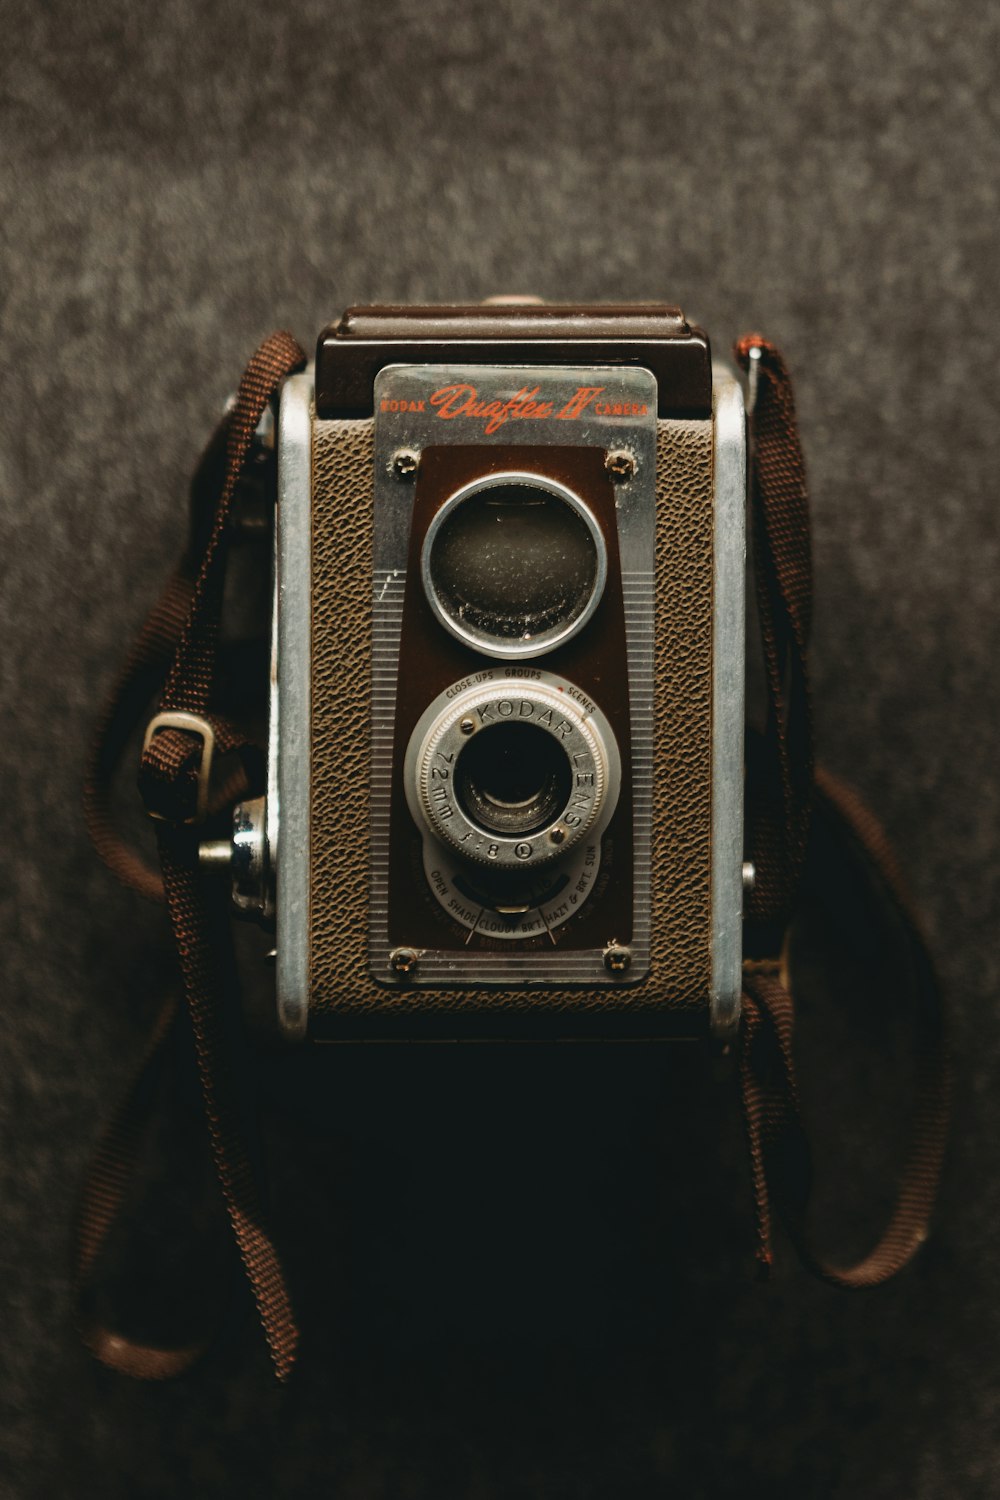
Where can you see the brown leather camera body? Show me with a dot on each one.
(330, 976)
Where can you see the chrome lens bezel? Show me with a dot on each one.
(555, 706)
(490, 645)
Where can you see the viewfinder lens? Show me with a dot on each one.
(515, 564)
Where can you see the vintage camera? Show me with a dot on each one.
(505, 784)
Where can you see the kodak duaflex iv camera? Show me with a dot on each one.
(505, 784)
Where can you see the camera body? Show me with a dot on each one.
(505, 774)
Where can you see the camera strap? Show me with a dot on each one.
(179, 643)
(792, 808)
(788, 805)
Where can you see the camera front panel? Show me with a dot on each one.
(388, 923)
(514, 524)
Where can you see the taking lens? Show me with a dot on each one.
(513, 779)
(514, 564)
(512, 769)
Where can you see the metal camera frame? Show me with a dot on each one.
(288, 802)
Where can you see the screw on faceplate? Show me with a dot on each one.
(620, 465)
(617, 958)
(403, 960)
(405, 463)
(557, 834)
(466, 725)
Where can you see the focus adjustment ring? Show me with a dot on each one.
(482, 709)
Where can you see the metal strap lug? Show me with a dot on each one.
(191, 724)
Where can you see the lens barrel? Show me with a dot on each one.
(513, 778)
(512, 774)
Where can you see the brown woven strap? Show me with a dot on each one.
(142, 677)
(781, 799)
(780, 766)
(105, 1193)
(170, 780)
(779, 1150)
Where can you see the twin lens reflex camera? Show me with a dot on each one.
(505, 771)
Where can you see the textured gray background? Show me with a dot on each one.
(523, 1274)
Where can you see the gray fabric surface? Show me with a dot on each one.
(523, 1274)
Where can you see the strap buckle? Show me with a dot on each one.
(191, 724)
